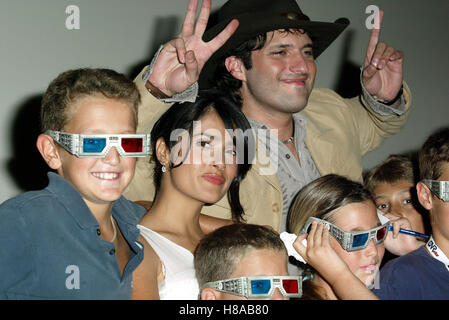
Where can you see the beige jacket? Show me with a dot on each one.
(339, 132)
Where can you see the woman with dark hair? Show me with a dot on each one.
(201, 153)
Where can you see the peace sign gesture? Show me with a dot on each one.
(382, 69)
(181, 60)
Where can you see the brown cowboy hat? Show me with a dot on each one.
(261, 16)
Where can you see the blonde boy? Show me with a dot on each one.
(77, 238)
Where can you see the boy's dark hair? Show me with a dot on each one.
(218, 254)
(392, 170)
(72, 85)
(182, 116)
(225, 81)
(434, 154)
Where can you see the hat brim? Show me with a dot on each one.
(252, 25)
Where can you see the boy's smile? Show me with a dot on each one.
(106, 175)
(99, 180)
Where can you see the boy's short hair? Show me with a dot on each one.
(434, 154)
(392, 170)
(219, 253)
(72, 85)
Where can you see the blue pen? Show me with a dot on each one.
(410, 232)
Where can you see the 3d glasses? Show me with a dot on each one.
(98, 145)
(352, 241)
(438, 188)
(259, 286)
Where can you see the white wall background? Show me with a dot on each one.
(35, 46)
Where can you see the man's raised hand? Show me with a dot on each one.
(181, 60)
(382, 69)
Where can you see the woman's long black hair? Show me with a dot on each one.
(182, 116)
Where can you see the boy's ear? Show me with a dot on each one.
(209, 294)
(235, 67)
(424, 195)
(47, 148)
(162, 152)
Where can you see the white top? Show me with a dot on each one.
(177, 264)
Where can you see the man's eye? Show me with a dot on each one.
(308, 52)
(278, 53)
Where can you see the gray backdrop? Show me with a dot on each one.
(122, 35)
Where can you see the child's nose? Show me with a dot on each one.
(277, 295)
(113, 157)
(371, 249)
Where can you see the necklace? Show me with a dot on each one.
(293, 134)
(113, 227)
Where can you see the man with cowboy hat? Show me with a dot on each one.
(262, 53)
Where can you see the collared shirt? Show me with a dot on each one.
(293, 175)
(51, 246)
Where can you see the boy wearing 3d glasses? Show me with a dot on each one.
(424, 273)
(77, 238)
(244, 261)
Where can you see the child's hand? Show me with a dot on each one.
(398, 243)
(319, 253)
(323, 258)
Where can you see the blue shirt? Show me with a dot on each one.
(415, 276)
(50, 247)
